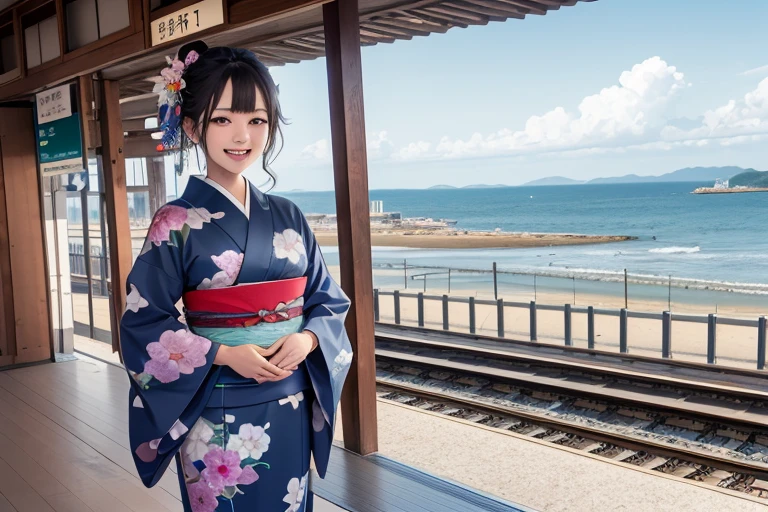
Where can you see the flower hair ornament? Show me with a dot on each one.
(168, 87)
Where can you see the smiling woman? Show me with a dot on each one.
(240, 389)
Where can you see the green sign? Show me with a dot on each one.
(59, 140)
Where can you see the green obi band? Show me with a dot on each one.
(263, 334)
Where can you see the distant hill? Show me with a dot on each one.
(442, 187)
(687, 174)
(750, 178)
(552, 180)
(485, 186)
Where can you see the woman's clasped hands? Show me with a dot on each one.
(271, 364)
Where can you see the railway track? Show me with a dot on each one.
(712, 429)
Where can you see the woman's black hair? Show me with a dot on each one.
(205, 80)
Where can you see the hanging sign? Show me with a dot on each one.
(186, 21)
(58, 133)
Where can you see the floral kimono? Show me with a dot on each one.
(239, 445)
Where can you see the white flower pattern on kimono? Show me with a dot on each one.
(296, 490)
(342, 360)
(196, 217)
(134, 301)
(196, 445)
(250, 441)
(292, 399)
(229, 262)
(177, 430)
(137, 402)
(289, 244)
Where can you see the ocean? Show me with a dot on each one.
(707, 243)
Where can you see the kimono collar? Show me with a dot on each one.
(245, 209)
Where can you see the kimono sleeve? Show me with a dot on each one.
(170, 368)
(325, 310)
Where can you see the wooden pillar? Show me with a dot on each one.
(345, 91)
(116, 195)
(156, 183)
(24, 295)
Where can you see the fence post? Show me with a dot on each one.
(405, 273)
(761, 343)
(534, 337)
(375, 304)
(666, 334)
(590, 327)
(711, 338)
(421, 309)
(472, 315)
(500, 316)
(397, 307)
(445, 312)
(623, 332)
(626, 291)
(568, 339)
(495, 283)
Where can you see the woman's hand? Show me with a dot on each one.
(249, 361)
(294, 348)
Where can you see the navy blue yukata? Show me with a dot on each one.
(238, 445)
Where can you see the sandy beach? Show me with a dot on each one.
(450, 239)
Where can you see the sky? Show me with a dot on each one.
(605, 88)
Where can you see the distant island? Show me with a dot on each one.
(692, 174)
(749, 181)
(689, 174)
(451, 187)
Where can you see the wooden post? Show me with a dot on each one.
(397, 307)
(116, 195)
(500, 317)
(761, 343)
(711, 339)
(567, 327)
(591, 327)
(666, 335)
(623, 346)
(420, 308)
(472, 315)
(345, 90)
(445, 313)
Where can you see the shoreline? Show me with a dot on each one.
(450, 239)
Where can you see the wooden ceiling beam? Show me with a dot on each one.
(412, 28)
(530, 6)
(444, 22)
(474, 7)
(493, 5)
(444, 18)
(370, 36)
(297, 53)
(452, 13)
(369, 29)
(298, 43)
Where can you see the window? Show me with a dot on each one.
(41, 35)
(8, 60)
(90, 20)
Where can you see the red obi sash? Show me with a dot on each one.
(246, 305)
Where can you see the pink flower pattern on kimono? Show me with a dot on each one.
(168, 218)
(222, 469)
(229, 262)
(201, 497)
(177, 352)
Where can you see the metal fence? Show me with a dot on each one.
(666, 318)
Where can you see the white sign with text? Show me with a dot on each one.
(186, 21)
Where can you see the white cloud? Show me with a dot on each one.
(756, 71)
(634, 109)
(320, 150)
(636, 114)
(378, 147)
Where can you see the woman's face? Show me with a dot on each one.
(235, 140)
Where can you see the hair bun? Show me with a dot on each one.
(197, 46)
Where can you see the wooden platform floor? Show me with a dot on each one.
(64, 443)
